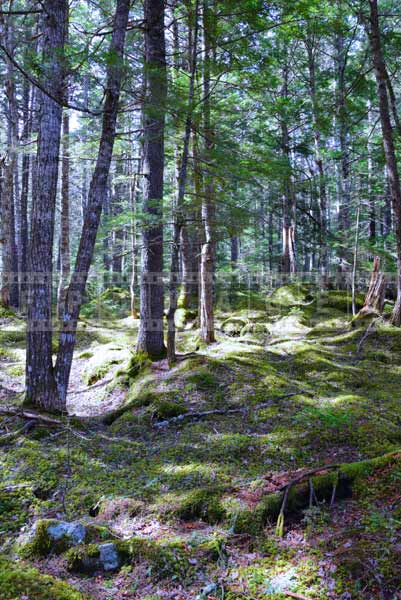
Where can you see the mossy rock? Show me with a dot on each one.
(233, 326)
(165, 409)
(290, 295)
(18, 581)
(166, 560)
(49, 536)
(90, 558)
(260, 331)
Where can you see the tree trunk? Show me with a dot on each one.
(65, 266)
(208, 209)
(182, 180)
(97, 194)
(150, 336)
(40, 382)
(26, 131)
(118, 234)
(388, 141)
(374, 301)
(9, 199)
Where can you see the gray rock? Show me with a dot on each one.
(108, 556)
(75, 532)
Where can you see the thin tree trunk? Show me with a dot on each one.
(118, 234)
(388, 141)
(208, 209)
(40, 382)
(26, 131)
(9, 199)
(150, 336)
(97, 194)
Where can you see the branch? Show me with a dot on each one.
(223, 411)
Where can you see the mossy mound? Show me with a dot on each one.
(289, 295)
(233, 326)
(18, 581)
(259, 331)
(291, 325)
(339, 300)
(103, 359)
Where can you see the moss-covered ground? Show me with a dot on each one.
(194, 499)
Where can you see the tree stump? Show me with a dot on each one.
(375, 297)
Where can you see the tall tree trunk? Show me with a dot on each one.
(40, 382)
(388, 141)
(318, 157)
(9, 199)
(65, 264)
(208, 209)
(150, 337)
(97, 194)
(26, 131)
(182, 180)
(342, 124)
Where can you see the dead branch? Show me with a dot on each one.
(224, 411)
(294, 595)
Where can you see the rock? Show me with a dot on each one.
(75, 532)
(49, 536)
(109, 557)
(257, 330)
(95, 557)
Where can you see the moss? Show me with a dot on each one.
(15, 505)
(202, 504)
(16, 370)
(18, 580)
(289, 295)
(85, 354)
(233, 326)
(203, 379)
(164, 409)
(184, 316)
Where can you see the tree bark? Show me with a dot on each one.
(96, 197)
(65, 265)
(10, 250)
(40, 382)
(208, 209)
(150, 336)
(182, 180)
(388, 141)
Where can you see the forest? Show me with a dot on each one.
(200, 300)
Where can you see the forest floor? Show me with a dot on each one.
(192, 493)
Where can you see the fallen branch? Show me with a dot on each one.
(294, 595)
(90, 387)
(224, 411)
(29, 414)
(366, 334)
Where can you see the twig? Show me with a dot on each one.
(294, 595)
(365, 335)
(90, 387)
(223, 411)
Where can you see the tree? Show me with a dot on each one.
(40, 382)
(150, 336)
(388, 140)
